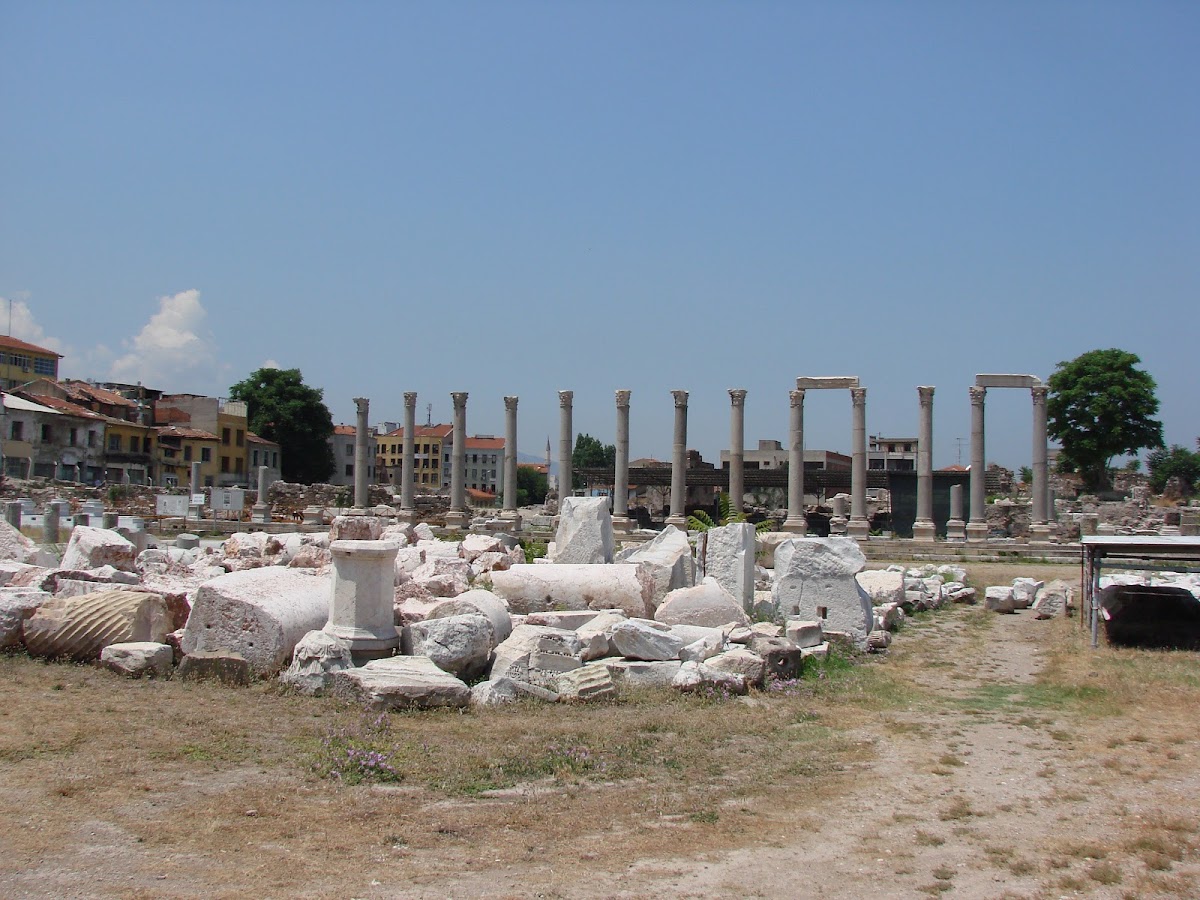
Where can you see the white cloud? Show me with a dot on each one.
(173, 351)
(270, 364)
(25, 326)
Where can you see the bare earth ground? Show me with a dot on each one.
(987, 756)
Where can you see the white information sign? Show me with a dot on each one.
(227, 499)
(171, 504)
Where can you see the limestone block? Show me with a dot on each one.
(700, 643)
(316, 657)
(479, 602)
(245, 545)
(458, 644)
(639, 639)
(261, 614)
(1025, 592)
(412, 603)
(764, 605)
(1054, 599)
(667, 562)
(356, 528)
(694, 677)
(637, 673)
(804, 633)
(138, 658)
(584, 535)
(729, 559)
(953, 573)
(770, 629)
(767, 543)
(878, 641)
(490, 562)
(512, 656)
(745, 662)
(80, 627)
(958, 593)
(15, 546)
(311, 557)
(408, 560)
(999, 598)
(495, 692)
(570, 619)
(820, 651)
(424, 532)
(186, 541)
(400, 682)
(783, 658)
(591, 682)
(18, 574)
(91, 548)
(231, 669)
(554, 586)
(536, 692)
(596, 635)
(708, 604)
(17, 605)
(814, 579)
(475, 545)
(882, 586)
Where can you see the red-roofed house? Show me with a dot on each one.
(22, 362)
(342, 442)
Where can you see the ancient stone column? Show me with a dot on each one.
(195, 510)
(923, 527)
(566, 443)
(12, 513)
(110, 520)
(977, 529)
(50, 520)
(260, 513)
(837, 522)
(859, 526)
(408, 465)
(362, 404)
(796, 522)
(678, 516)
(956, 528)
(510, 458)
(361, 613)
(1039, 531)
(620, 518)
(458, 514)
(737, 449)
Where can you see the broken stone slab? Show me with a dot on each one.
(700, 643)
(1053, 599)
(1025, 592)
(400, 682)
(744, 662)
(639, 674)
(17, 605)
(15, 546)
(815, 579)
(783, 658)
(245, 545)
(478, 602)
(356, 528)
(708, 604)
(259, 613)
(889, 617)
(596, 635)
(513, 655)
(230, 669)
(475, 545)
(882, 586)
(571, 620)
(494, 692)
(137, 658)
(878, 641)
(535, 691)
(554, 586)
(960, 593)
(666, 562)
(999, 598)
(91, 548)
(804, 632)
(316, 657)
(584, 535)
(81, 627)
(591, 682)
(729, 560)
(640, 639)
(458, 644)
(821, 651)
(696, 677)
(766, 545)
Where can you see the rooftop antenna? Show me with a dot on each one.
(958, 442)
(428, 414)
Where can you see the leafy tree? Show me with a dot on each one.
(532, 486)
(1165, 464)
(1026, 475)
(589, 453)
(1101, 405)
(702, 521)
(282, 408)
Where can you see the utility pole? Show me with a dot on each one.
(958, 445)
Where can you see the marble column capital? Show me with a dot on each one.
(565, 398)
(681, 399)
(510, 402)
(361, 404)
(796, 397)
(858, 396)
(623, 399)
(459, 398)
(410, 399)
(737, 396)
(977, 394)
(925, 394)
(1039, 392)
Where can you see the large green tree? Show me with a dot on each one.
(282, 408)
(1177, 461)
(590, 453)
(532, 486)
(1101, 405)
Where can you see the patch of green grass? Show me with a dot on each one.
(1018, 698)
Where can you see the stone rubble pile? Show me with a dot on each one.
(1048, 599)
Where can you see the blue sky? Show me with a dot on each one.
(521, 197)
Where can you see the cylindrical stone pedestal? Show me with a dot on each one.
(50, 533)
(12, 513)
(956, 528)
(261, 512)
(361, 612)
(110, 520)
(620, 515)
(837, 524)
(678, 516)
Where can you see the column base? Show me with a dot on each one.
(260, 514)
(407, 516)
(1039, 534)
(956, 530)
(977, 532)
(859, 529)
(794, 525)
(623, 524)
(837, 525)
(457, 519)
(678, 521)
(313, 515)
(365, 645)
(924, 531)
(511, 519)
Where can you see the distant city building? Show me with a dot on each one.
(892, 454)
(22, 362)
(773, 455)
(342, 441)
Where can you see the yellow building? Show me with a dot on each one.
(224, 419)
(22, 362)
(428, 443)
(178, 447)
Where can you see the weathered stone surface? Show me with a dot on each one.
(694, 677)
(814, 579)
(458, 644)
(91, 548)
(804, 633)
(959, 593)
(591, 682)
(767, 543)
(479, 602)
(1025, 592)
(782, 657)
(475, 545)
(596, 635)
(15, 546)
(261, 614)
(538, 588)
(744, 662)
(80, 627)
(584, 535)
(1053, 599)
(882, 586)
(708, 605)
(17, 605)
(640, 639)
(356, 528)
(570, 619)
(637, 673)
(513, 656)
(666, 562)
(316, 657)
(138, 658)
(999, 598)
(878, 641)
(245, 545)
(495, 692)
(729, 559)
(400, 682)
(231, 669)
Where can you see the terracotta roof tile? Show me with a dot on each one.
(13, 343)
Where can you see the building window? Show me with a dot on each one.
(241, 438)
(18, 431)
(349, 469)
(45, 434)
(187, 453)
(254, 458)
(134, 443)
(349, 449)
(146, 445)
(74, 436)
(237, 464)
(225, 436)
(274, 459)
(17, 359)
(44, 367)
(205, 454)
(93, 438)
